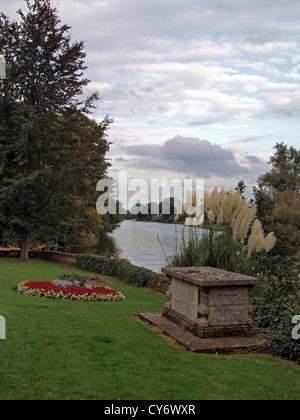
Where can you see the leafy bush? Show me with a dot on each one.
(121, 269)
(275, 303)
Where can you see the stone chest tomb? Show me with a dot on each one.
(210, 302)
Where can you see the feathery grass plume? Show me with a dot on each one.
(257, 238)
(238, 218)
(243, 219)
(211, 205)
(220, 219)
(270, 242)
(227, 207)
(211, 216)
(250, 217)
(235, 200)
(230, 208)
(228, 249)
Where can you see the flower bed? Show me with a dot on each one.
(48, 289)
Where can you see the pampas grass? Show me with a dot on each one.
(234, 210)
(270, 242)
(235, 247)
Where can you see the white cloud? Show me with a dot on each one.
(185, 67)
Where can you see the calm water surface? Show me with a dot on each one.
(138, 241)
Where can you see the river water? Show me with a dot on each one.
(138, 241)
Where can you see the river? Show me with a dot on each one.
(138, 241)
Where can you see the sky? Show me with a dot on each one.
(196, 89)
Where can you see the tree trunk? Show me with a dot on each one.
(24, 256)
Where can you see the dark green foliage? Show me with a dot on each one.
(121, 269)
(285, 173)
(276, 302)
(51, 154)
(278, 200)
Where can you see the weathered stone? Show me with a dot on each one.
(210, 302)
(201, 345)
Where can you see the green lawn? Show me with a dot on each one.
(81, 350)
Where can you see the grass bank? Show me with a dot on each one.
(81, 350)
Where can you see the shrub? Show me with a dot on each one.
(121, 269)
(275, 303)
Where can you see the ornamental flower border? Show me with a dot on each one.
(46, 289)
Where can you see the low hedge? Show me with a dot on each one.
(123, 270)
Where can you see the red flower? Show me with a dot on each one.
(47, 286)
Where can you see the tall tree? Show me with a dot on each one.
(278, 201)
(285, 173)
(51, 153)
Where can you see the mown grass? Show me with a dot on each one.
(61, 350)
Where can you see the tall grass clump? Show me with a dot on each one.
(233, 240)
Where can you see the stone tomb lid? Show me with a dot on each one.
(209, 276)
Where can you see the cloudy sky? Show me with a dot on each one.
(195, 88)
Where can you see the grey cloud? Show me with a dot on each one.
(143, 150)
(194, 150)
(253, 159)
(189, 156)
